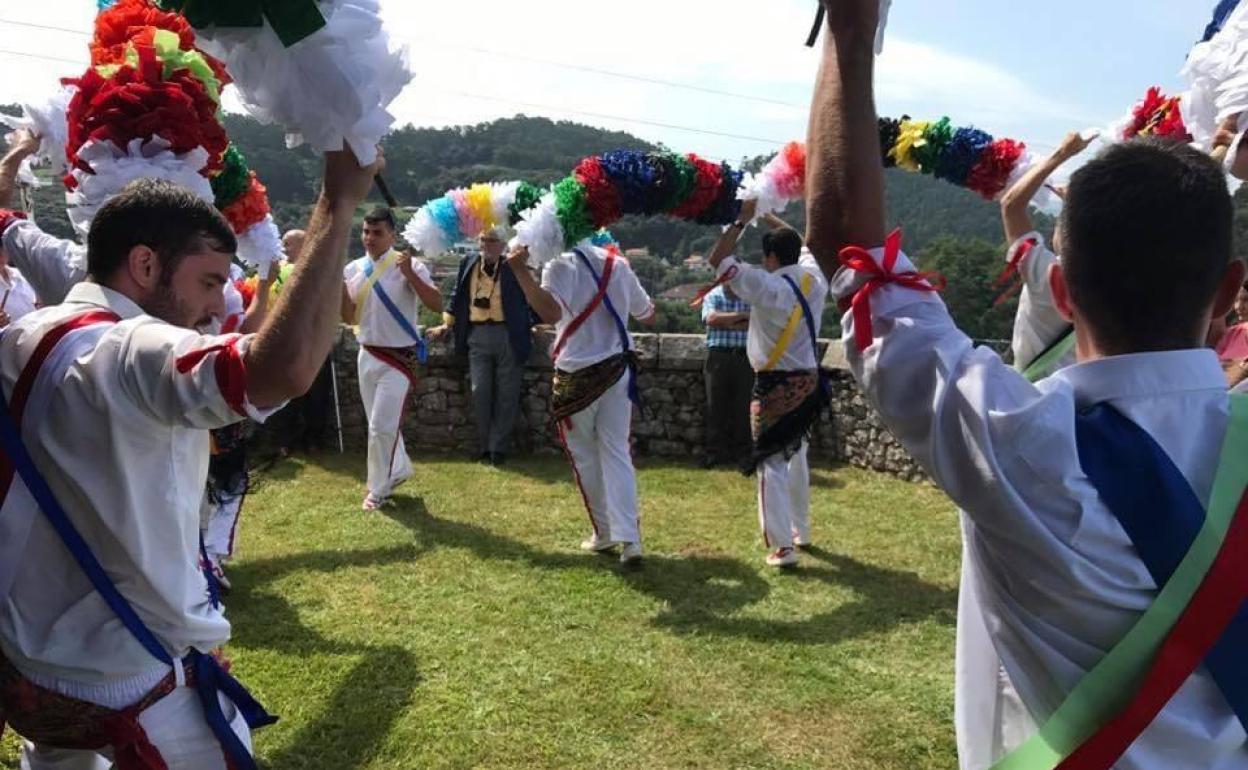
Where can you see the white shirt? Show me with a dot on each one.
(573, 286)
(1050, 582)
(772, 303)
(124, 446)
(235, 308)
(19, 296)
(1037, 325)
(377, 326)
(52, 265)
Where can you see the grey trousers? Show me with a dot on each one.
(496, 382)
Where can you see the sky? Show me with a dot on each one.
(726, 78)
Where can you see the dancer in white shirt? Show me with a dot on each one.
(1043, 341)
(789, 392)
(383, 294)
(107, 620)
(1052, 581)
(588, 295)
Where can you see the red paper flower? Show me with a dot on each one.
(992, 173)
(250, 209)
(140, 104)
(705, 189)
(247, 290)
(131, 19)
(1159, 116)
(601, 196)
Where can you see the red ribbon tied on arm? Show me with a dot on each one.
(860, 260)
(1012, 268)
(727, 277)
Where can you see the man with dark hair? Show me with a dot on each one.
(493, 326)
(108, 619)
(382, 295)
(786, 297)
(1102, 521)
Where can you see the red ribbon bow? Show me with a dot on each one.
(860, 260)
(1012, 268)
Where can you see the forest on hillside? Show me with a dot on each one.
(947, 229)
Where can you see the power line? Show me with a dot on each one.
(76, 62)
(48, 27)
(606, 116)
(521, 57)
(609, 73)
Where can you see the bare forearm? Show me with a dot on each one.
(845, 178)
(1014, 205)
(428, 294)
(542, 301)
(725, 246)
(253, 319)
(9, 167)
(288, 352)
(727, 320)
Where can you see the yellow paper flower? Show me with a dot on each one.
(911, 137)
(480, 199)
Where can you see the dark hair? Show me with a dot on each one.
(379, 215)
(1147, 237)
(169, 219)
(785, 243)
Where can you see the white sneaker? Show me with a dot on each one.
(373, 503)
(782, 557)
(631, 553)
(594, 544)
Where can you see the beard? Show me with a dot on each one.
(165, 305)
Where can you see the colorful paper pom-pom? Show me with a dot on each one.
(935, 137)
(960, 155)
(573, 212)
(601, 195)
(909, 137)
(991, 174)
(250, 209)
(726, 207)
(633, 178)
(706, 184)
(890, 130)
(527, 196)
(234, 179)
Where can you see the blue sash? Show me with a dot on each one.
(634, 394)
(1153, 502)
(812, 329)
(210, 677)
(1221, 13)
(422, 350)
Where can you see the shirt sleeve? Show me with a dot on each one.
(354, 278)
(755, 285)
(183, 378)
(554, 280)
(711, 305)
(52, 265)
(640, 306)
(1037, 324)
(957, 409)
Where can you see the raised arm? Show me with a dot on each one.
(1015, 216)
(728, 240)
(253, 319)
(543, 302)
(844, 174)
(25, 144)
(288, 353)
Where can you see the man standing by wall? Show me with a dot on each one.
(729, 377)
(384, 289)
(492, 323)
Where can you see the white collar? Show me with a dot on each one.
(88, 293)
(1144, 375)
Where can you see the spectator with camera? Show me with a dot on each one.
(492, 324)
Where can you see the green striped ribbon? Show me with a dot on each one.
(1046, 364)
(1108, 687)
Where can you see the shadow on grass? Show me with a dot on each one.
(367, 701)
(701, 593)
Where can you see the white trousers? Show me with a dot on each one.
(175, 725)
(383, 389)
(784, 499)
(221, 527)
(597, 442)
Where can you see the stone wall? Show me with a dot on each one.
(439, 417)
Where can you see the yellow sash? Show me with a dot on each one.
(790, 330)
(386, 265)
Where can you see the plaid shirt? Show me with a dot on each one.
(719, 302)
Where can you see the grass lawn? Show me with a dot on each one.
(463, 628)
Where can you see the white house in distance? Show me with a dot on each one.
(697, 263)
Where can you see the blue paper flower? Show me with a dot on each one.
(960, 155)
(442, 211)
(633, 177)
